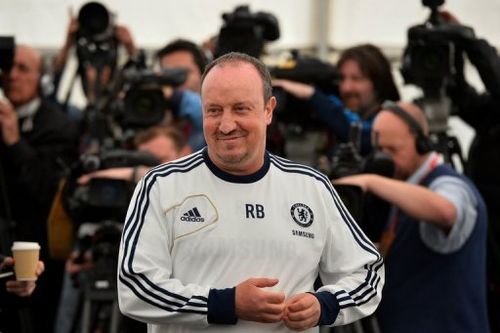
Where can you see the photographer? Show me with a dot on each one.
(95, 64)
(366, 81)
(185, 99)
(37, 143)
(165, 143)
(13, 293)
(481, 111)
(434, 241)
(184, 54)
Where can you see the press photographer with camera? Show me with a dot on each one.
(96, 38)
(434, 241)
(434, 61)
(186, 55)
(365, 82)
(482, 112)
(164, 143)
(37, 145)
(98, 41)
(182, 53)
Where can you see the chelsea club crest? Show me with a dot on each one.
(302, 214)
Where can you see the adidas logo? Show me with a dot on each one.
(192, 215)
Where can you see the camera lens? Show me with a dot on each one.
(144, 107)
(94, 19)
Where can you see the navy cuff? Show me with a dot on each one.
(329, 307)
(221, 306)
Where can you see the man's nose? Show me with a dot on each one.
(346, 85)
(13, 73)
(227, 122)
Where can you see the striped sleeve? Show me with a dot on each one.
(146, 290)
(351, 268)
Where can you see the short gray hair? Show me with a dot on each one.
(237, 57)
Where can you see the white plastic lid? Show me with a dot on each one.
(25, 246)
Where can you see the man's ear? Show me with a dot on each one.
(269, 109)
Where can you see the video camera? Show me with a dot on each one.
(431, 61)
(134, 102)
(144, 103)
(305, 69)
(7, 50)
(96, 42)
(99, 209)
(368, 210)
(246, 32)
(103, 199)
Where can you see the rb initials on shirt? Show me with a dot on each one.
(254, 211)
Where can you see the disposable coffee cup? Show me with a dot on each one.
(26, 256)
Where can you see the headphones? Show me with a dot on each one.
(423, 144)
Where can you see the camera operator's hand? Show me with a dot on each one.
(9, 124)
(112, 173)
(297, 89)
(125, 37)
(77, 263)
(130, 174)
(73, 27)
(460, 34)
(21, 288)
(62, 55)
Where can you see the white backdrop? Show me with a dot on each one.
(42, 23)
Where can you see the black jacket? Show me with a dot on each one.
(32, 169)
(482, 112)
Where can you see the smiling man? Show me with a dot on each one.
(236, 117)
(232, 237)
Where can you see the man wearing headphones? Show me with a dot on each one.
(36, 143)
(435, 238)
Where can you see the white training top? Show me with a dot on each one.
(193, 232)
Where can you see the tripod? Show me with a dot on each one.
(99, 302)
(449, 146)
(105, 307)
(365, 325)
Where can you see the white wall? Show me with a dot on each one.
(42, 23)
(386, 21)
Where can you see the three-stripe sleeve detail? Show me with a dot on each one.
(368, 288)
(139, 283)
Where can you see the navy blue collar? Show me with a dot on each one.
(254, 177)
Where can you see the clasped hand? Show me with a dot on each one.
(253, 303)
